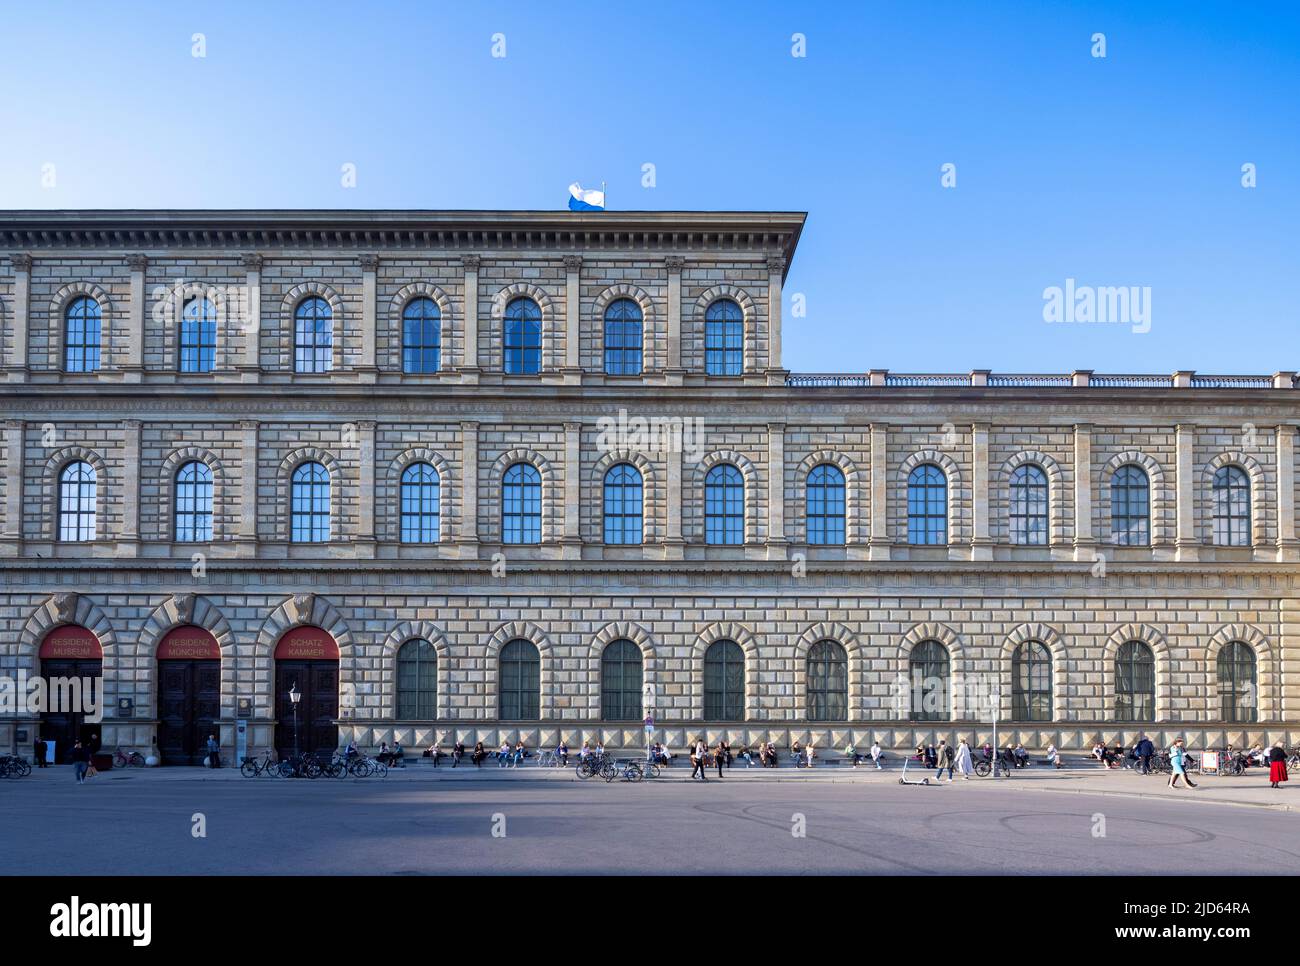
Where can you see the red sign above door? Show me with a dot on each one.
(189, 643)
(71, 642)
(306, 644)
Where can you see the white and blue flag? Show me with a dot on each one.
(580, 199)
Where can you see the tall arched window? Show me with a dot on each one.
(825, 511)
(1237, 683)
(929, 673)
(310, 504)
(1130, 507)
(82, 335)
(198, 336)
(1231, 507)
(522, 337)
(724, 682)
(724, 505)
(417, 681)
(193, 523)
(1135, 682)
(77, 497)
(623, 335)
(1029, 505)
(828, 682)
(313, 336)
(1031, 683)
(421, 504)
(620, 682)
(724, 338)
(520, 686)
(421, 335)
(927, 505)
(521, 504)
(623, 505)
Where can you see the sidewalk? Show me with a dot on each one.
(1251, 789)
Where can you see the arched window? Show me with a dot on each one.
(310, 504)
(623, 505)
(1135, 683)
(1231, 507)
(522, 337)
(1130, 507)
(417, 681)
(313, 336)
(620, 682)
(828, 682)
(623, 335)
(929, 672)
(724, 338)
(193, 511)
(1237, 683)
(421, 336)
(825, 511)
(77, 491)
(1031, 683)
(927, 505)
(82, 332)
(521, 504)
(198, 336)
(724, 682)
(1029, 505)
(724, 505)
(520, 682)
(421, 504)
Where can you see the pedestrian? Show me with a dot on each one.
(809, 754)
(42, 751)
(214, 752)
(698, 752)
(944, 759)
(80, 762)
(964, 764)
(719, 756)
(1277, 765)
(877, 753)
(1144, 751)
(1176, 755)
(726, 751)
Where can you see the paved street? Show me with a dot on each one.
(416, 822)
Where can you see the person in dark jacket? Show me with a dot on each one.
(1144, 750)
(42, 751)
(214, 752)
(1277, 765)
(944, 759)
(80, 762)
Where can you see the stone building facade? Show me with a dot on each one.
(1035, 598)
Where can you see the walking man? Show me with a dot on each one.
(214, 752)
(1144, 750)
(80, 762)
(876, 754)
(698, 753)
(944, 757)
(1177, 754)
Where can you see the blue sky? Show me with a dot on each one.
(1122, 171)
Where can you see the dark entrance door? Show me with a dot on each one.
(189, 702)
(65, 724)
(318, 681)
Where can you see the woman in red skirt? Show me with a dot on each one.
(1277, 764)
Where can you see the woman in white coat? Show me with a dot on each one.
(963, 763)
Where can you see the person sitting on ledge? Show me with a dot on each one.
(479, 754)
(395, 756)
(562, 752)
(457, 753)
(434, 752)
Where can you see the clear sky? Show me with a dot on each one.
(1117, 171)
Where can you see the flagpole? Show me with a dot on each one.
(604, 197)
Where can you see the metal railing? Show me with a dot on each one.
(982, 378)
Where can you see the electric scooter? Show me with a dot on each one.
(903, 780)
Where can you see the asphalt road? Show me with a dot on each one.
(130, 825)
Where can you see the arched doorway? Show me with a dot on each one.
(72, 665)
(189, 694)
(308, 658)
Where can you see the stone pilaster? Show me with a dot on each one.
(1288, 547)
(571, 538)
(879, 543)
(674, 543)
(981, 547)
(246, 540)
(673, 371)
(469, 367)
(16, 367)
(572, 368)
(367, 370)
(366, 495)
(775, 279)
(250, 363)
(1186, 541)
(776, 538)
(133, 365)
(468, 536)
(1287, 672)
(1085, 542)
(128, 540)
(11, 537)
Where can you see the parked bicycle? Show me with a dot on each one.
(12, 766)
(629, 771)
(121, 759)
(594, 765)
(253, 767)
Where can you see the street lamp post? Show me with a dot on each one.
(294, 697)
(995, 700)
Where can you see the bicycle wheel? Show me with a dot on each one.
(284, 769)
(634, 773)
(137, 760)
(380, 769)
(982, 769)
(584, 770)
(652, 770)
(311, 768)
(248, 769)
(609, 771)
(361, 769)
